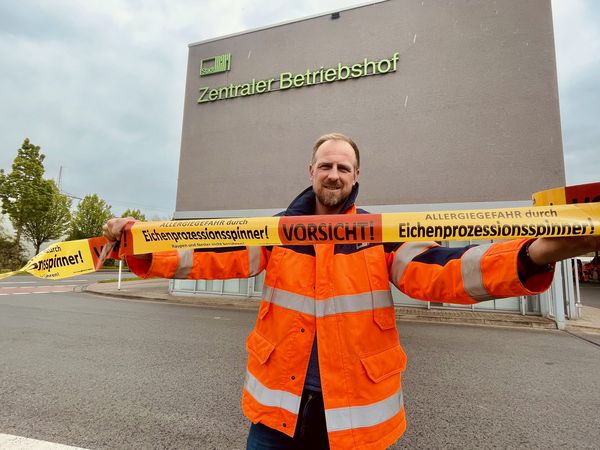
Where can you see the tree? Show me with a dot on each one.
(91, 213)
(51, 223)
(135, 213)
(24, 192)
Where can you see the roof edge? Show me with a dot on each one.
(287, 22)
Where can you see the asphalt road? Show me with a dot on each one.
(27, 285)
(113, 374)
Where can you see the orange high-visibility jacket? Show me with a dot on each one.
(342, 293)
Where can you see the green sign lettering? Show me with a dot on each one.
(289, 80)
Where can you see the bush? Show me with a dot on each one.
(11, 254)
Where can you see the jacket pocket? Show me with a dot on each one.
(274, 266)
(259, 347)
(384, 364)
(385, 318)
(264, 307)
(270, 282)
(384, 314)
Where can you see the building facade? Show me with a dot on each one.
(454, 105)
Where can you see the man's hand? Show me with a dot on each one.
(112, 229)
(548, 250)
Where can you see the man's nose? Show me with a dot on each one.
(333, 174)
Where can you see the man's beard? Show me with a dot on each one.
(331, 199)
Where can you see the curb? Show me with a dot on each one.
(473, 318)
(240, 303)
(550, 325)
(581, 329)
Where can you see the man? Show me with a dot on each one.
(324, 358)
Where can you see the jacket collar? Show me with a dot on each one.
(304, 203)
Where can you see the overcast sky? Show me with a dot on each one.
(99, 86)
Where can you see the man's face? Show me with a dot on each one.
(333, 172)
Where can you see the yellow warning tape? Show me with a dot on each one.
(64, 259)
(485, 224)
(71, 258)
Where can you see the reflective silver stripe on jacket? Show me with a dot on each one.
(333, 305)
(471, 273)
(186, 260)
(353, 303)
(271, 397)
(254, 254)
(405, 255)
(364, 416)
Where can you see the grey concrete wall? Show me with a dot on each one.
(470, 115)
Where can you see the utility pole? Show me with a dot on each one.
(60, 171)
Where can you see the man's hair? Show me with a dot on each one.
(336, 137)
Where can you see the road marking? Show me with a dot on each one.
(49, 286)
(52, 286)
(22, 290)
(10, 442)
(42, 292)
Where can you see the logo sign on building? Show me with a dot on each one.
(216, 64)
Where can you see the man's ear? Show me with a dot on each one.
(310, 172)
(356, 177)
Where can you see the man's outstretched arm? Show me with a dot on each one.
(477, 273)
(549, 250)
(208, 264)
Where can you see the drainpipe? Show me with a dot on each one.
(558, 297)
